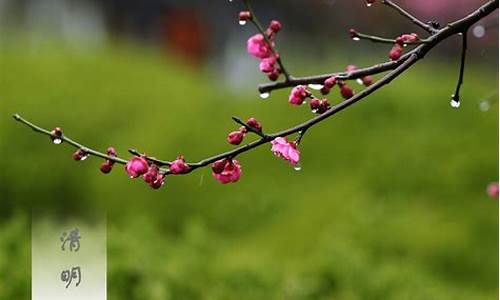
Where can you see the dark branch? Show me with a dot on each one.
(397, 67)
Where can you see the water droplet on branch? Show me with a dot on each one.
(316, 87)
(359, 81)
(355, 38)
(454, 103)
(297, 167)
(56, 141)
(265, 95)
(242, 22)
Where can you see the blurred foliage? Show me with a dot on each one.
(390, 203)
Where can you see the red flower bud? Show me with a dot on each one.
(111, 151)
(367, 80)
(396, 52)
(157, 182)
(80, 154)
(346, 91)
(252, 122)
(330, 82)
(275, 26)
(218, 166)
(325, 90)
(179, 166)
(106, 166)
(315, 104)
(245, 15)
(56, 132)
(274, 75)
(151, 174)
(235, 137)
(324, 106)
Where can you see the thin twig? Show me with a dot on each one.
(378, 39)
(412, 18)
(154, 160)
(249, 128)
(460, 81)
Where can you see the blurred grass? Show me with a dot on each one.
(390, 203)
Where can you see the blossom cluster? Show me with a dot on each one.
(262, 47)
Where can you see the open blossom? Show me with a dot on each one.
(258, 47)
(136, 167)
(281, 147)
(179, 166)
(226, 171)
(298, 95)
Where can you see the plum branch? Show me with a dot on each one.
(224, 166)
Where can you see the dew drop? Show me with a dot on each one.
(359, 81)
(316, 87)
(369, 4)
(265, 95)
(355, 38)
(460, 33)
(479, 31)
(56, 141)
(314, 111)
(484, 105)
(405, 45)
(242, 22)
(297, 167)
(454, 103)
(84, 157)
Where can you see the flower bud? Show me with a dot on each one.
(235, 137)
(245, 15)
(179, 166)
(80, 154)
(330, 82)
(346, 91)
(274, 75)
(315, 104)
(106, 166)
(136, 167)
(298, 95)
(111, 151)
(367, 80)
(157, 182)
(151, 174)
(324, 106)
(275, 26)
(252, 122)
(396, 52)
(218, 166)
(56, 132)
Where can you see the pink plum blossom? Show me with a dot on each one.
(267, 65)
(226, 171)
(285, 149)
(298, 95)
(179, 166)
(136, 167)
(258, 47)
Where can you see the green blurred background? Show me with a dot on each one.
(390, 202)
